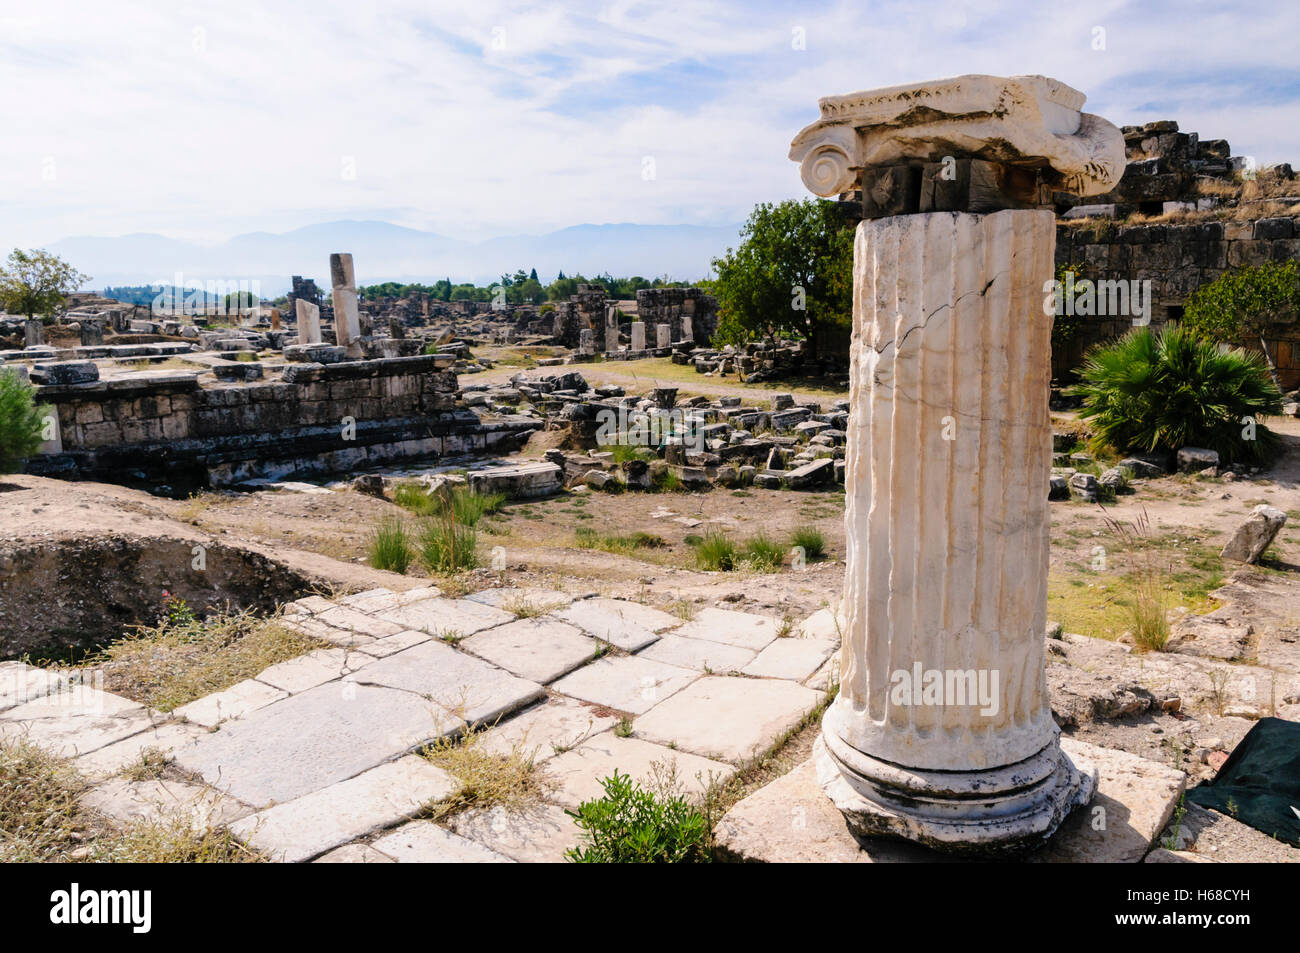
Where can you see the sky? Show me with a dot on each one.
(201, 121)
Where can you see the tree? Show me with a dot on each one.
(1240, 304)
(36, 282)
(20, 421)
(792, 274)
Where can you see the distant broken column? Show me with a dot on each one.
(942, 731)
(586, 341)
(308, 322)
(33, 333)
(347, 317)
(275, 319)
(638, 336)
(92, 333)
(611, 328)
(665, 335)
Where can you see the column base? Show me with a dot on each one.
(1006, 810)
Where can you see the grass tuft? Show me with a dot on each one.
(390, 546)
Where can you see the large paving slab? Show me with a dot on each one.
(110, 759)
(314, 668)
(475, 690)
(446, 617)
(75, 720)
(538, 649)
(344, 617)
(313, 740)
(1135, 799)
(791, 658)
(728, 718)
(698, 654)
(513, 598)
(625, 683)
(791, 820)
(730, 627)
(536, 834)
(424, 842)
(578, 773)
(389, 645)
(233, 702)
(310, 825)
(162, 800)
(629, 626)
(822, 624)
(547, 729)
(21, 683)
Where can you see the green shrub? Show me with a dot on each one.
(666, 480)
(1148, 392)
(811, 541)
(716, 552)
(630, 825)
(20, 422)
(627, 452)
(762, 553)
(464, 505)
(447, 546)
(390, 546)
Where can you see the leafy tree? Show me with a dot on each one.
(1148, 392)
(36, 282)
(1239, 304)
(792, 274)
(20, 421)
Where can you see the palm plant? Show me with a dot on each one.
(1160, 392)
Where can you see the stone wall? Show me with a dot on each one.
(692, 314)
(1176, 259)
(318, 419)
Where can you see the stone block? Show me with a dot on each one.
(728, 626)
(424, 842)
(310, 825)
(578, 773)
(625, 683)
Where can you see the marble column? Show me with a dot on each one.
(638, 336)
(347, 317)
(611, 328)
(308, 322)
(942, 730)
(664, 334)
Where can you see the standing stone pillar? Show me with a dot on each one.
(611, 328)
(275, 319)
(308, 322)
(638, 336)
(942, 731)
(92, 333)
(664, 334)
(347, 317)
(586, 341)
(33, 333)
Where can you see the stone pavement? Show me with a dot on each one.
(314, 757)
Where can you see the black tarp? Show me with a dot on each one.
(1259, 784)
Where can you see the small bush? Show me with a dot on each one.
(390, 546)
(587, 538)
(447, 546)
(666, 480)
(20, 422)
(630, 825)
(811, 541)
(763, 554)
(460, 502)
(1149, 392)
(715, 552)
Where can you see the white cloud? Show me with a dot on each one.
(202, 120)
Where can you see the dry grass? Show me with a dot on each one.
(41, 822)
(486, 778)
(184, 657)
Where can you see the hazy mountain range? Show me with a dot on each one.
(384, 252)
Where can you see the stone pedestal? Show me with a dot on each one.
(347, 317)
(92, 333)
(308, 322)
(942, 731)
(586, 341)
(611, 329)
(664, 335)
(33, 333)
(275, 319)
(638, 336)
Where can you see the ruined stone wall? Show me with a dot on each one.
(692, 314)
(1176, 259)
(169, 428)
